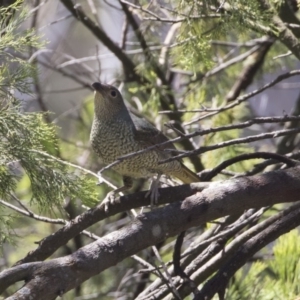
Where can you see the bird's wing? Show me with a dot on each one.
(147, 134)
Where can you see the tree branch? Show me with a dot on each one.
(282, 32)
(219, 282)
(247, 96)
(248, 139)
(207, 175)
(220, 199)
(129, 67)
(74, 227)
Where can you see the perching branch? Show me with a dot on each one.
(219, 199)
(51, 243)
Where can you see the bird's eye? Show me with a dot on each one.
(113, 93)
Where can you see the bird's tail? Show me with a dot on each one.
(186, 175)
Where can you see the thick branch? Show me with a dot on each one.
(58, 276)
(251, 66)
(282, 32)
(51, 243)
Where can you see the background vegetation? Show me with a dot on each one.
(219, 77)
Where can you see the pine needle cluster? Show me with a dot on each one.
(27, 142)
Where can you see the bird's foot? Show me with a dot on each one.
(111, 196)
(154, 195)
(100, 179)
(153, 192)
(109, 200)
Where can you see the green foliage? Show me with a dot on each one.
(31, 154)
(195, 50)
(238, 18)
(6, 231)
(15, 72)
(24, 138)
(286, 267)
(248, 285)
(26, 141)
(276, 278)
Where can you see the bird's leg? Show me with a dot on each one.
(153, 191)
(111, 196)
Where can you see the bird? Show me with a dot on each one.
(117, 132)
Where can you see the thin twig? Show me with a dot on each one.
(245, 97)
(168, 275)
(253, 138)
(229, 232)
(209, 174)
(147, 265)
(26, 212)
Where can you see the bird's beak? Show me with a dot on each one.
(97, 86)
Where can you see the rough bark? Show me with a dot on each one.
(57, 276)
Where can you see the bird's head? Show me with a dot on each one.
(108, 101)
